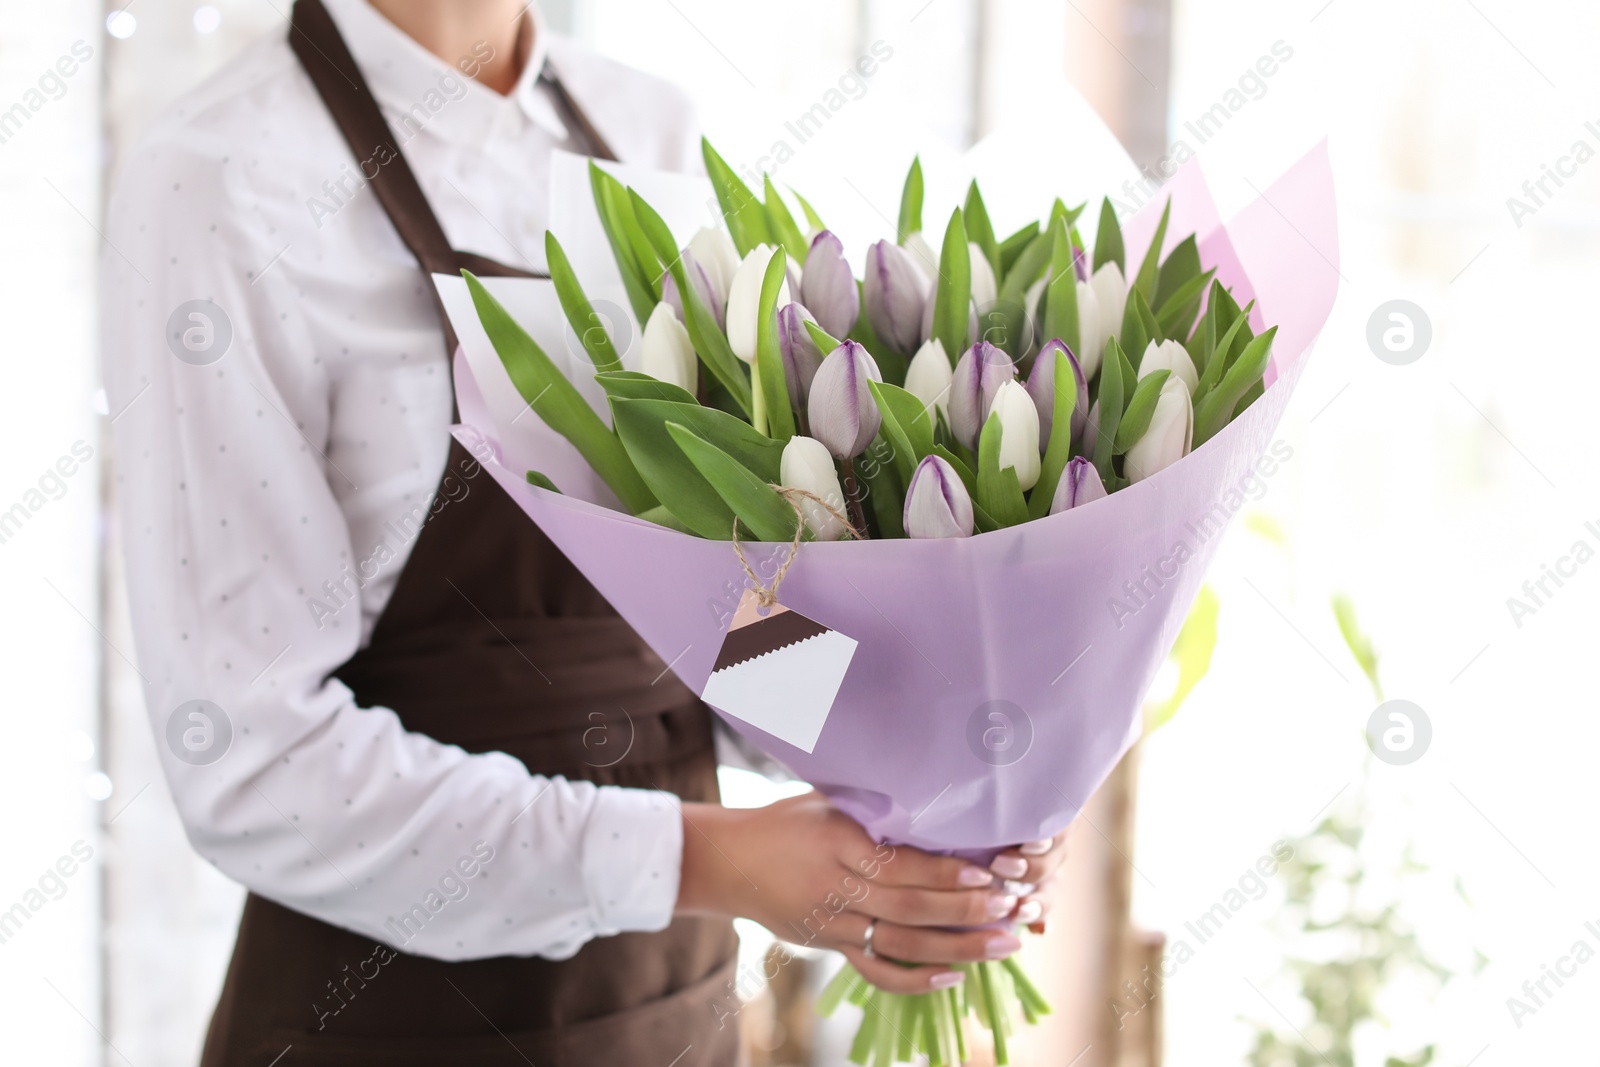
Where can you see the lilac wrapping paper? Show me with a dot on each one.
(1016, 621)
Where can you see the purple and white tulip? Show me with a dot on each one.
(937, 503)
(896, 293)
(982, 370)
(827, 288)
(844, 417)
(1042, 387)
(801, 356)
(1080, 483)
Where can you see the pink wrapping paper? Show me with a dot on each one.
(1017, 622)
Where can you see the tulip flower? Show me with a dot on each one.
(744, 299)
(928, 376)
(828, 288)
(978, 377)
(1094, 329)
(801, 356)
(1168, 438)
(1019, 432)
(1111, 294)
(1169, 356)
(922, 255)
(937, 503)
(843, 414)
(984, 289)
(896, 292)
(1042, 387)
(665, 351)
(1080, 483)
(805, 464)
(703, 285)
(713, 249)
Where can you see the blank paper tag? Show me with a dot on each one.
(779, 671)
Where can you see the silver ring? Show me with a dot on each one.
(866, 940)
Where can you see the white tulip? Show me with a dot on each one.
(665, 352)
(744, 301)
(984, 290)
(928, 376)
(1093, 331)
(1019, 432)
(713, 249)
(922, 256)
(1171, 356)
(1111, 291)
(1169, 436)
(806, 464)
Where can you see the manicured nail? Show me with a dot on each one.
(1000, 905)
(1009, 866)
(1029, 912)
(1036, 848)
(946, 980)
(1001, 946)
(974, 877)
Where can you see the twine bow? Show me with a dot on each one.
(767, 597)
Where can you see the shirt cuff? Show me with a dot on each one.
(632, 859)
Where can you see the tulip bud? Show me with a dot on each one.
(937, 503)
(922, 255)
(1080, 483)
(978, 376)
(1042, 388)
(896, 292)
(1169, 356)
(744, 301)
(828, 288)
(713, 249)
(984, 290)
(1168, 438)
(1111, 294)
(928, 376)
(703, 285)
(801, 356)
(805, 464)
(843, 414)
(1019, 432)
(665, 352)
(1093, 329)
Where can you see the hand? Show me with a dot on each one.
(1034, 866)
(811, 875)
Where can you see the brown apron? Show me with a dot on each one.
(484, 597)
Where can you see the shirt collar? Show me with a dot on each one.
(419, 91)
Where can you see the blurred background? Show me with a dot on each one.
(1430, 479)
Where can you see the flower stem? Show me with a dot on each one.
(852, 492)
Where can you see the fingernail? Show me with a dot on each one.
(1036, 848)
(1029, 912)
(974, 877)
(947, 980)
(1000, 905)
(1001, 946)
(1009, 866)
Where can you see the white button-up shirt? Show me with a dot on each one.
(266, 437)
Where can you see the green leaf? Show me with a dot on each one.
(911, 202)
(580, 313)
(1058, 451)
(1145, 282)
(1110, 400)
(683, 490)
(999, 492)
(744, 213)
(1012, 247)
(879, 470)
(813, 220)
(907, 426)
(1061, 293)
(824, 341)
(952, 302)
(1218, 364)
(781, 224)
(1108, 240)
(1359, 644)
(636, 385)
(662, 517)
(1176, 316)
(1192, 652)
(611, 201)
(1011, 305)
(760, 507)
(650, 263)
(1134, 336)
(710, 343)
(555, 400)
(542, 481)
(1141, 408)
(1216, 408)
(769, 361)
(1182, 267)
(980, 231)
(1147, 319)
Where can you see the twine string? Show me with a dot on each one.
(766, 596)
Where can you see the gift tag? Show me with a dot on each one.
(779, 671)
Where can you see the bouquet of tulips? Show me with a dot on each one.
(915, 450)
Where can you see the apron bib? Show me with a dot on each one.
(483, 584)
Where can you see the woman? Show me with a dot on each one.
(375, 684)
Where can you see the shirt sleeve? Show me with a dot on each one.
(221, 413)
